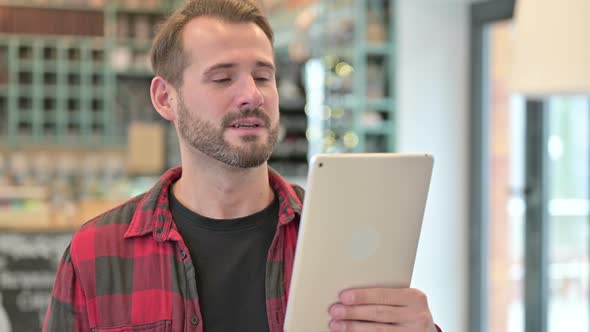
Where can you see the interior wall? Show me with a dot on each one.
(432, 95)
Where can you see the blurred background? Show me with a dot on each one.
(498, 91)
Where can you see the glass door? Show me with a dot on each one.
(505, 192)
(531, 231)
(568, 154)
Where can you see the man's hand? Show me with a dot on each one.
(383, 310)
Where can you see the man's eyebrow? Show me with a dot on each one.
(265, 64)
(229, 65)
(219, 66)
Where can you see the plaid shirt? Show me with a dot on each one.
(129, 269)
(121, 263)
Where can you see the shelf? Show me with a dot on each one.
(378, 49)
(61, 41)
(348, 52)
(298, 130)
(145, 11)
(28, 65)
(52, 66)
(23, 192)
(300, 158)
(368, 49)
(351, 102)
(291, 105)
(382, 129)
(21, 219)
(56, 6)
(50, 91)
(346, 102)
(72, 147)
(361, 34)
(340, 14)
(82, 7)
(134, 44)
(135, 73)
(340, 51)
(380, 104)
(75, 143)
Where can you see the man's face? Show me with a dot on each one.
(228, 103)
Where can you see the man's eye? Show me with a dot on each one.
(262, 79)
(221, 80)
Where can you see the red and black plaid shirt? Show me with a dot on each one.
(129, 269)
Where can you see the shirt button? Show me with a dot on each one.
(183, 254)
(195, 320)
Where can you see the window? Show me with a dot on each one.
(511, 147)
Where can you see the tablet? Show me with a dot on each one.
(361, 220)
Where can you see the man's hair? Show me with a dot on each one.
(167, 56)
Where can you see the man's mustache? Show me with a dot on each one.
(247, 113)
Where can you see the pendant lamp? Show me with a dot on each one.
(551, 48)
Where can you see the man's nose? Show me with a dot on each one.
(250, 96)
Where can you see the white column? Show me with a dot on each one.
(433, 116)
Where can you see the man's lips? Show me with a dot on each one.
(247, 123)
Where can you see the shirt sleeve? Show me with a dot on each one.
(67, 308)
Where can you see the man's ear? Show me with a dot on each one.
(163, 95)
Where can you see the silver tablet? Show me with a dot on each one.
(361, 221)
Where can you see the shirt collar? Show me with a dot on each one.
(153, 215)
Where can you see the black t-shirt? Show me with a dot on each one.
(230, 262)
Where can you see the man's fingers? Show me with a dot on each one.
(382, 309)
(355, 326)
(372, 313)
(384, 296)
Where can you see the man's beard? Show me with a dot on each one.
(207, 138)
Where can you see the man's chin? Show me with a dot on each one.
(240, 140)
(248, 155)
(249, 144)
(248, 162)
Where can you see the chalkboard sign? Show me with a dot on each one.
(28, 262)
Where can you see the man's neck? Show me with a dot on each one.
(215, 190)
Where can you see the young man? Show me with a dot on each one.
(210, 247)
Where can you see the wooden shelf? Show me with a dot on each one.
(23, 192)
